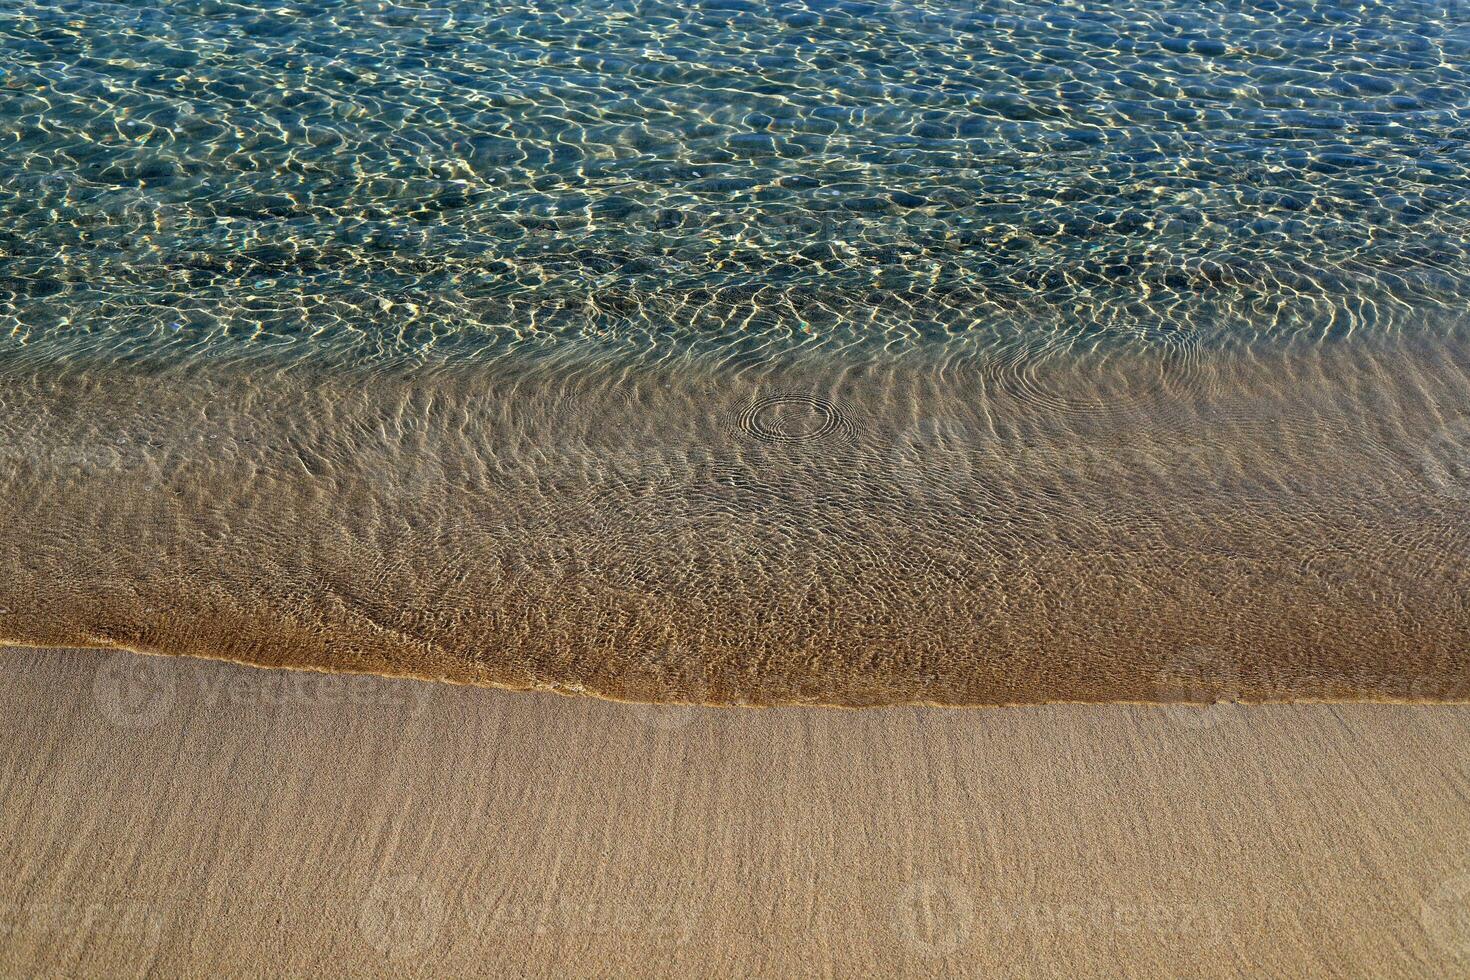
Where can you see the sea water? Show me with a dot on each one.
(733, 351)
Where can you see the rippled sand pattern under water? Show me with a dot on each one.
(734, 351)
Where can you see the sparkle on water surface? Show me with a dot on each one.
(1028, 180)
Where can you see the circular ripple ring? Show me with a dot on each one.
(766, 419)
(1022, 371)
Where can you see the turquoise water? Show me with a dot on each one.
(374, 180)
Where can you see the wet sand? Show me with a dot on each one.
(185, 817)
(1277, 522)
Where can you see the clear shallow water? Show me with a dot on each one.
(849, 353)
(391, 180)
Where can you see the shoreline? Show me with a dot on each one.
(818, 532)
(310, 671)
(421, 829)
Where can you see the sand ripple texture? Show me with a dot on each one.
(842, 534)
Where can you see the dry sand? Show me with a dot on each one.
(186, 817)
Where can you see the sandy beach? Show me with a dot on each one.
(750, 488)
(180, 817)
(825, 530)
